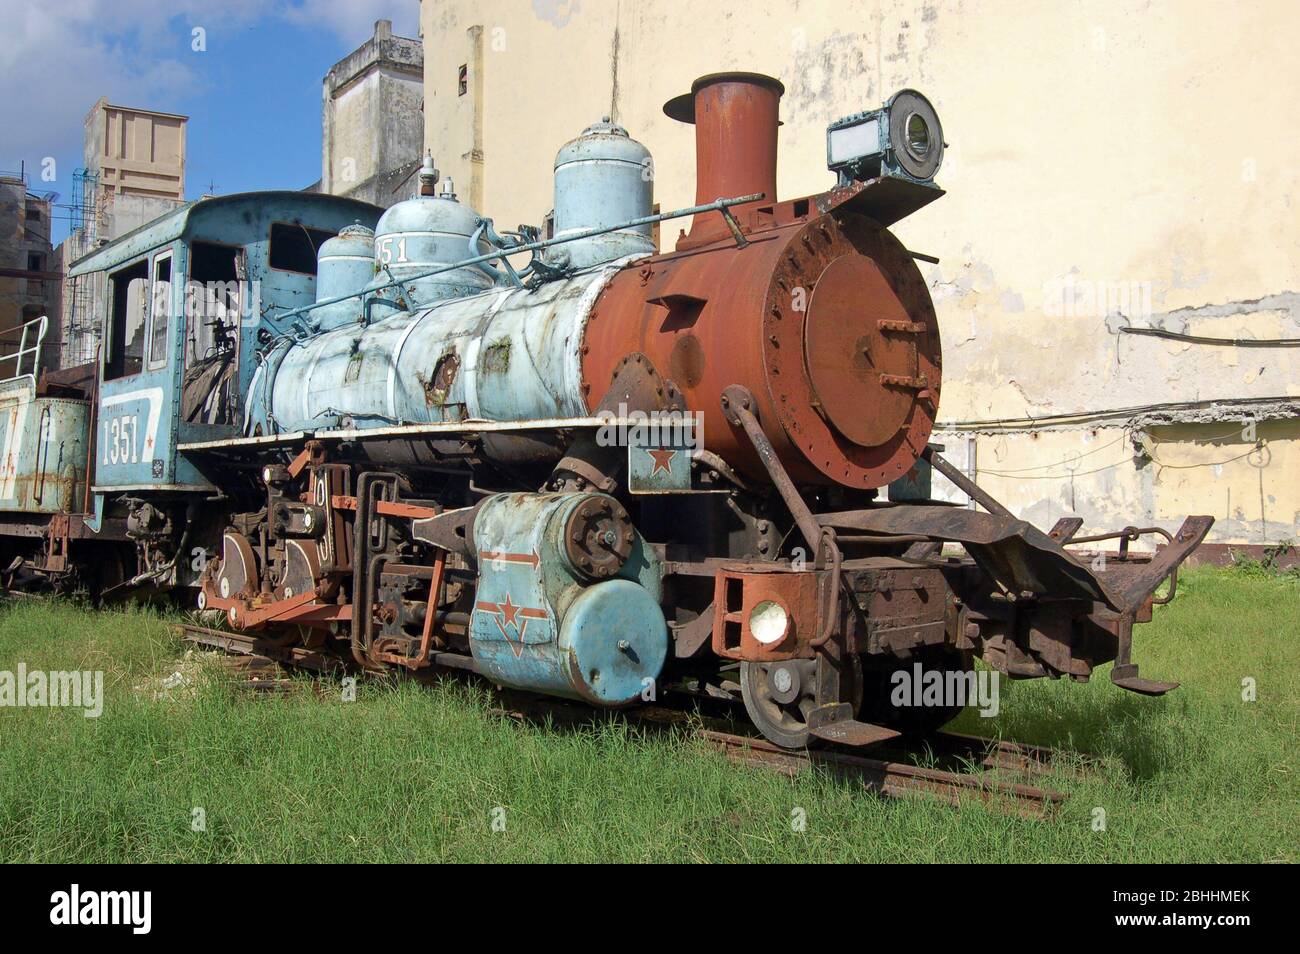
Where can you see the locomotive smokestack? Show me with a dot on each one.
(736, 118)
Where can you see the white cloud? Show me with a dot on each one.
(354, 20)
(58, 58)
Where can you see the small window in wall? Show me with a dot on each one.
(160, 310)
(35, 262)
(128, 298)
(294, 247)
(33, 214)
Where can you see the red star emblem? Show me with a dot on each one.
(509, 611)
(509, 614)
(663, 460)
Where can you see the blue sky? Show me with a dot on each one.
(253, 96)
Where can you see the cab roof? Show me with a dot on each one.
(179, 222)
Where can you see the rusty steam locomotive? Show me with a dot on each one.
(598, 474)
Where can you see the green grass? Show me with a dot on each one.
(413, 774)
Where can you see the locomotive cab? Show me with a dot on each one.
(190, 299)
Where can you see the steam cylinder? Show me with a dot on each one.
(602, 178)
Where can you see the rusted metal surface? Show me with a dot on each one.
(56, 543)
(855, 365)
(1064, 529)
(673, 309)
(835, 723)
(736, 116)
(738, 405)
(1028, 562)
(598, 536)
(1125, 537)
(885, 200)
(249, 644)
(899, 609)
(399, 651)
(1014, 552)
(964, 483)
(300, 610)
(739, 589)
(894, 779)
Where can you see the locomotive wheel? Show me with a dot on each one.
(778, 697)
(878, 687)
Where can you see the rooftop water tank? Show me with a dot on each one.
(602, 178)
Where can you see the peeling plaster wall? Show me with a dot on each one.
(1111, 165)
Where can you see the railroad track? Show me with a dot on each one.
(891, 778)
(246, 645)
(965, 767)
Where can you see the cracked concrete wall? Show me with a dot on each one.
(1111, 165)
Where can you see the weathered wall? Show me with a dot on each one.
(1110, 164)
(373, 129)
(136, 151)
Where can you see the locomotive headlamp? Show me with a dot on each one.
(902, 139)
(769, 622)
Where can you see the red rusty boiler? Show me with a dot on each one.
(816, 308)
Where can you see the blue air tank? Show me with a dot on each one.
(602, 178)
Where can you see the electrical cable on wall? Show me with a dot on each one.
(1204, 339)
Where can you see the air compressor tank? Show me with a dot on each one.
(344, 264)
(568, 598)
(422, 234)
(602, 178)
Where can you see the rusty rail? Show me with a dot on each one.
(883, 775)
(251, 645)
(895, 779)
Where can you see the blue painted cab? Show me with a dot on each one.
(191, 299)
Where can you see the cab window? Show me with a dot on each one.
(160, 310)
(294, 247)
(128, 296)
(214, 302)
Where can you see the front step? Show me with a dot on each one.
(1126, 677)
(835, 723)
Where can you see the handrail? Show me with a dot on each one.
(719, 205)
(24, 350)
